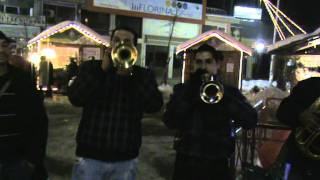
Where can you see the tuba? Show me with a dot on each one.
(308, 135)
(211, 90)
(124, 55)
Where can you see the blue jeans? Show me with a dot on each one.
(90, 169)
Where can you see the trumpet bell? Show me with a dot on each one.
(124, 55)
(211, 91)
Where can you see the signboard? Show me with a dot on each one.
(154, 7)
(247, 13)
(230, 67)
(18, 31)
(22, 20)
(163, 28)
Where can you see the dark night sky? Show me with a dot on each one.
(305, 13)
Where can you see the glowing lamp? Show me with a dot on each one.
(49, 53)
(260, 47)
(34, 58)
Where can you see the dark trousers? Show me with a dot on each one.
(20, 170)
(195, 168)
(15, 170)
(304, 173)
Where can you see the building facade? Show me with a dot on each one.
(161, 24)
(21, 20)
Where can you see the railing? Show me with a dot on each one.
(250, 143)
(217, 11)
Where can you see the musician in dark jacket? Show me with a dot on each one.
(302, 105)
(114, 101)
(205, 140)
(23, 123)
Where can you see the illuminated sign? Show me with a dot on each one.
(22, 20)
(247, 13)
(156, 7)
(163, 28)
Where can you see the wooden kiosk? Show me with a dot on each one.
(65, 40)
(234, 54)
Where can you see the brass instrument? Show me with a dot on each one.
(124, 55)
(308, 136)
(211, 90)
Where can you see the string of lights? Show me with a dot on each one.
(276, 11)
(275, 15)
(275, 22)
(284, 15)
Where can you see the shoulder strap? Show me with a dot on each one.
(5, 87)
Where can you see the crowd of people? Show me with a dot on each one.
(114, 100)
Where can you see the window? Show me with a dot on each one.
(134, 22)
(56, 14)
(208, 28)
(222, 29)
(11, 10)
(100, 22)
(65, 13)
(25, 11)
(50, 13)
(1, 8)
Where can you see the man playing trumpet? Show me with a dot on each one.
(114, 95)
(202, 110)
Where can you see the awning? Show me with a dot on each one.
(294, 44)
(66, 25)
(226, 38)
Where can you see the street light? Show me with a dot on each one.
(260, 47)
(272, 63)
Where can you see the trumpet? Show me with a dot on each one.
(211, 90)
(124, 55)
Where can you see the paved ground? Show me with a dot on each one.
(156, 156)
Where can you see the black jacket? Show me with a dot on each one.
(206, 130)
(22, 113)
(113, 107)
(302, 96)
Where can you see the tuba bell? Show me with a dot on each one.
(308, 135)
(124, 55)
(211, 90)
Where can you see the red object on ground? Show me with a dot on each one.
(269, 150)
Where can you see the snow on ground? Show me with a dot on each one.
(247, 85)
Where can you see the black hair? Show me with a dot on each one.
(135, 35)
(217, 55)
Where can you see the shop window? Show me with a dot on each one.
(156, 57)
(99, 22)
(1, 8)
(11, 10)
(134, 22)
